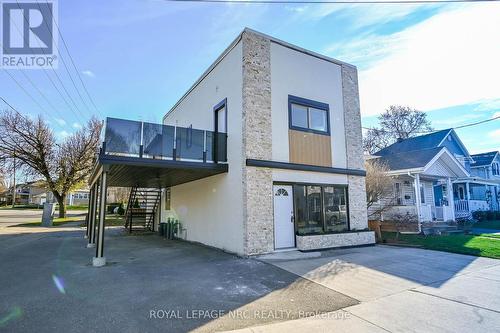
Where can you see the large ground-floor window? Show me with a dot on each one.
(320, 209)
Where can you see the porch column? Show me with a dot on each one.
(93, 208)
(451, 200)
(468, 195)
(89, 209)
(417, 198)
(99, 259)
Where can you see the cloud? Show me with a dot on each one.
(88, 73)
(60, 121)
(77, 126)
(456, 120)
(63, 134)
(449, 59)
(358, 15)
(495, 135)
(488, 105)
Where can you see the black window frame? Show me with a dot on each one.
(308, 103)
(322, 186)
(219, 106)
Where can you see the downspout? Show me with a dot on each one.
(417, 200)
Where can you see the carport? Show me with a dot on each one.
(139, 154)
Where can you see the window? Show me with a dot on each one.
(422, 193)
(334, 201)
(320, 209)
(495, 169)
(281, 192)
(307, 115)
(398, 194)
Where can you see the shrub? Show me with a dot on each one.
(112, 206)
(479, 215)
(121, 210)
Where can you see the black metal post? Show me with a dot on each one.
(99, 259)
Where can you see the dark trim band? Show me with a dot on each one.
(303, 167)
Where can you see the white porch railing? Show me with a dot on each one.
(461, 206)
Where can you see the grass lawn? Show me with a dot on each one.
(21, 207)
(488, 224)
(111, 220)
(481, 246)
(56, 222)
(80, 207)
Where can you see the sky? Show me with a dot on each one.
(138, 57)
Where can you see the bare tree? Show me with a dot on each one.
(397, 122)
(64, 165)
(379, 192)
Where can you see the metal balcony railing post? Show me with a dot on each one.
(174, 157)
(141, 147)
(204, 146)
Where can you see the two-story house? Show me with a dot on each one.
(262, 153)
(435, 179)
(486, 166)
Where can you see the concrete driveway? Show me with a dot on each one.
(150, 284)
(400, 290)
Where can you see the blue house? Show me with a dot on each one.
(434, 178)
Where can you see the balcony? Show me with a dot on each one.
(145, 154)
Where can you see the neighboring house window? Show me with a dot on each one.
(461, 193)
(307, 115)
(398, 194)
(495, 169)
(320, 208)
(422, 193)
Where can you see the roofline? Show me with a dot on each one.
(461, 144)
(438, 155)
(205, 74)
(433, 160)
(485, 165)
(231, 47)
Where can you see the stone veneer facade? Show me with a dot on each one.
(257, 144)
(358, 215)
(314, 242)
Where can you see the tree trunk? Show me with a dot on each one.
(62, 206)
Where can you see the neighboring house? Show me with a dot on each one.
(78, 197)
(434, 179)
(487, 166)
(25, 193)
(263, 153)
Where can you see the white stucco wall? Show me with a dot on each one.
(299, 74)
(211, 209)
(308, 177)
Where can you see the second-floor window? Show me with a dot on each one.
(308, 115)
(495, 170)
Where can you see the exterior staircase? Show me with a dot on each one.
(143, 203)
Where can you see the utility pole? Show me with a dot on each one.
(14, 185)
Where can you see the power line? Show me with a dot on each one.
(29, 95)
(457, 127)
(64, 61)
(301, 2)
(62, 58)
(77, 115)
(74, 66)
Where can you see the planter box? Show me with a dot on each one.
(316, 242)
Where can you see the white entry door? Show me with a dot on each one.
(284, 231)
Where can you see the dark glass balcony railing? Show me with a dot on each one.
(146, 140)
